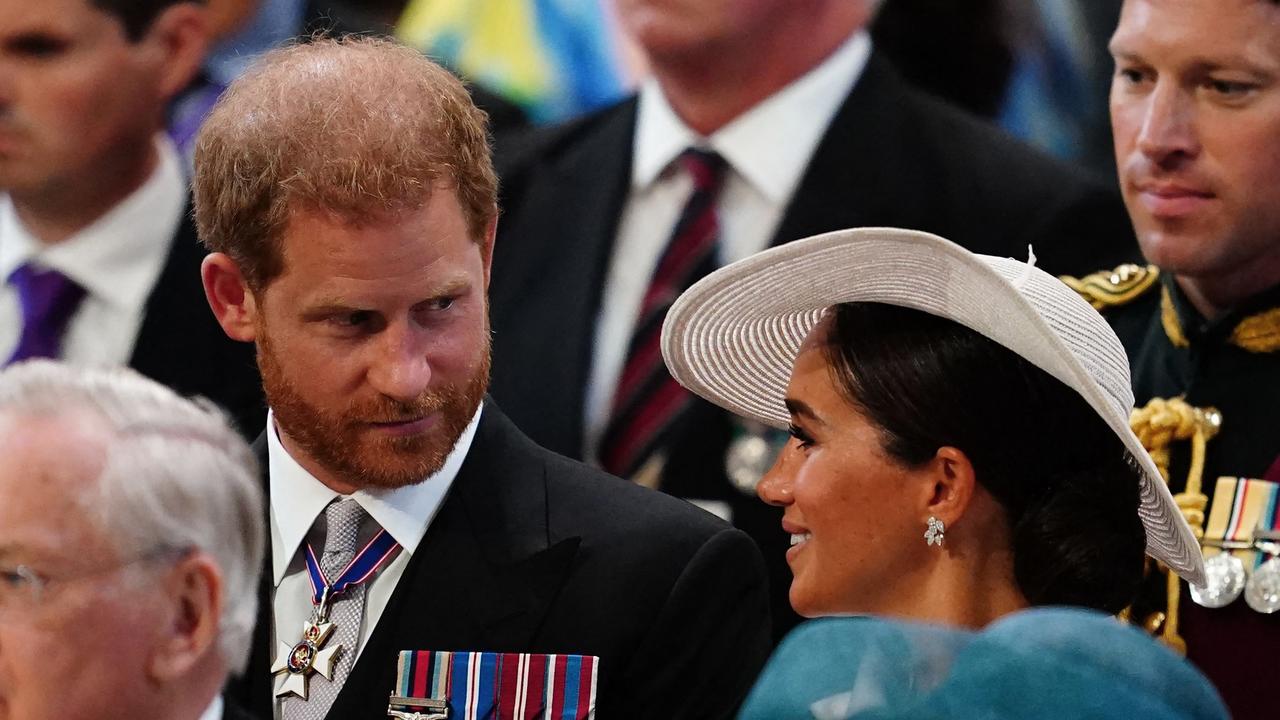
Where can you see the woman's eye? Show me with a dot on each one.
(802, 438)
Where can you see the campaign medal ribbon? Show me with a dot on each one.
(1241, 518)
(494, 686)
(1262, 592)
(309, 655)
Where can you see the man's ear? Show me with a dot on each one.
(232, 302)
(179, 40)
(952, 486)
(193, 591)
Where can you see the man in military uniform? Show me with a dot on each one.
(1195, 107)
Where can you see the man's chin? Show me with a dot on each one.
(396, 463)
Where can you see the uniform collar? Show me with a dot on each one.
(1254, 325)
(297, 498)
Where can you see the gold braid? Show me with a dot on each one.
(1158, 425)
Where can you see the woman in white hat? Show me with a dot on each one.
(960, 439)
(960, 442)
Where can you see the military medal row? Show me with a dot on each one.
(1242, 546)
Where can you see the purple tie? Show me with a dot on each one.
(49, 299)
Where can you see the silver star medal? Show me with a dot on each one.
(308, 656)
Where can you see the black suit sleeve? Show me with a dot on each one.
(710, 639)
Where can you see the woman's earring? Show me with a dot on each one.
(935, 533)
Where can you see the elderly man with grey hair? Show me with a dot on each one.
(130, 539)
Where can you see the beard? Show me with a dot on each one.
(341, 441)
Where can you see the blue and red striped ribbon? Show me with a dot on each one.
(361, 568)
(502, 686)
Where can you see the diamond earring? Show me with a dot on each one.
(935, 533)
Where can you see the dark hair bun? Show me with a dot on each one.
(1083, 543)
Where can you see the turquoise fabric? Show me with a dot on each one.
(1040, 663)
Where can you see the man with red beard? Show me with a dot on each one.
(1195, 110)
(346, 192)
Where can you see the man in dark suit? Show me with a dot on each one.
(351, 231)
(99, 262)
(127, 569)
(810, 131)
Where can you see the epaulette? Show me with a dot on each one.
(1110, 288)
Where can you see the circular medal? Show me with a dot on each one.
(1263, 590)
(1224, 581)
(302, 657)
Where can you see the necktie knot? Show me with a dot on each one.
(343, 520)
(49, 299)
(706, 167)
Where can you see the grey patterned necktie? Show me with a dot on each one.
(343, 521)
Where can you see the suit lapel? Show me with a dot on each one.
(253, 690)
(483, 576)
(550, 263)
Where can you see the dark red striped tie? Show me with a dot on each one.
(648, 403)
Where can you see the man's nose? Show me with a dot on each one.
(1168, 128)
(401, 369)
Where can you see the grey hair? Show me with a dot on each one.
(176, 476)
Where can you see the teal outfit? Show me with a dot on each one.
(1039, 663)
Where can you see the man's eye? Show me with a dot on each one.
(1229, 88)
(1130, 76)
(37, 46)
(358, 318)
(443, 303)
(16, 578)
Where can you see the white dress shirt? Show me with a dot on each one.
(767, 150)
(298, 498)
(117, 260)
(214, 711)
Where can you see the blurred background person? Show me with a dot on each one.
(761, 122)
(130, 538)
(98, 258)
(1195, 107)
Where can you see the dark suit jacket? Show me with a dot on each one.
(532, 552)
(231, 711)
(891, 156)
(180, 343)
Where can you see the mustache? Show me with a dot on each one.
(1142, 172)
(390, 410)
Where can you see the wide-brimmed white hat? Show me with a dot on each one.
(733, 337)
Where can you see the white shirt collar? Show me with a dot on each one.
(121, 254)
(214, 711)
(297, 498)
(761, 144)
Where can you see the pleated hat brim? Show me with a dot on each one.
(733, 337)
